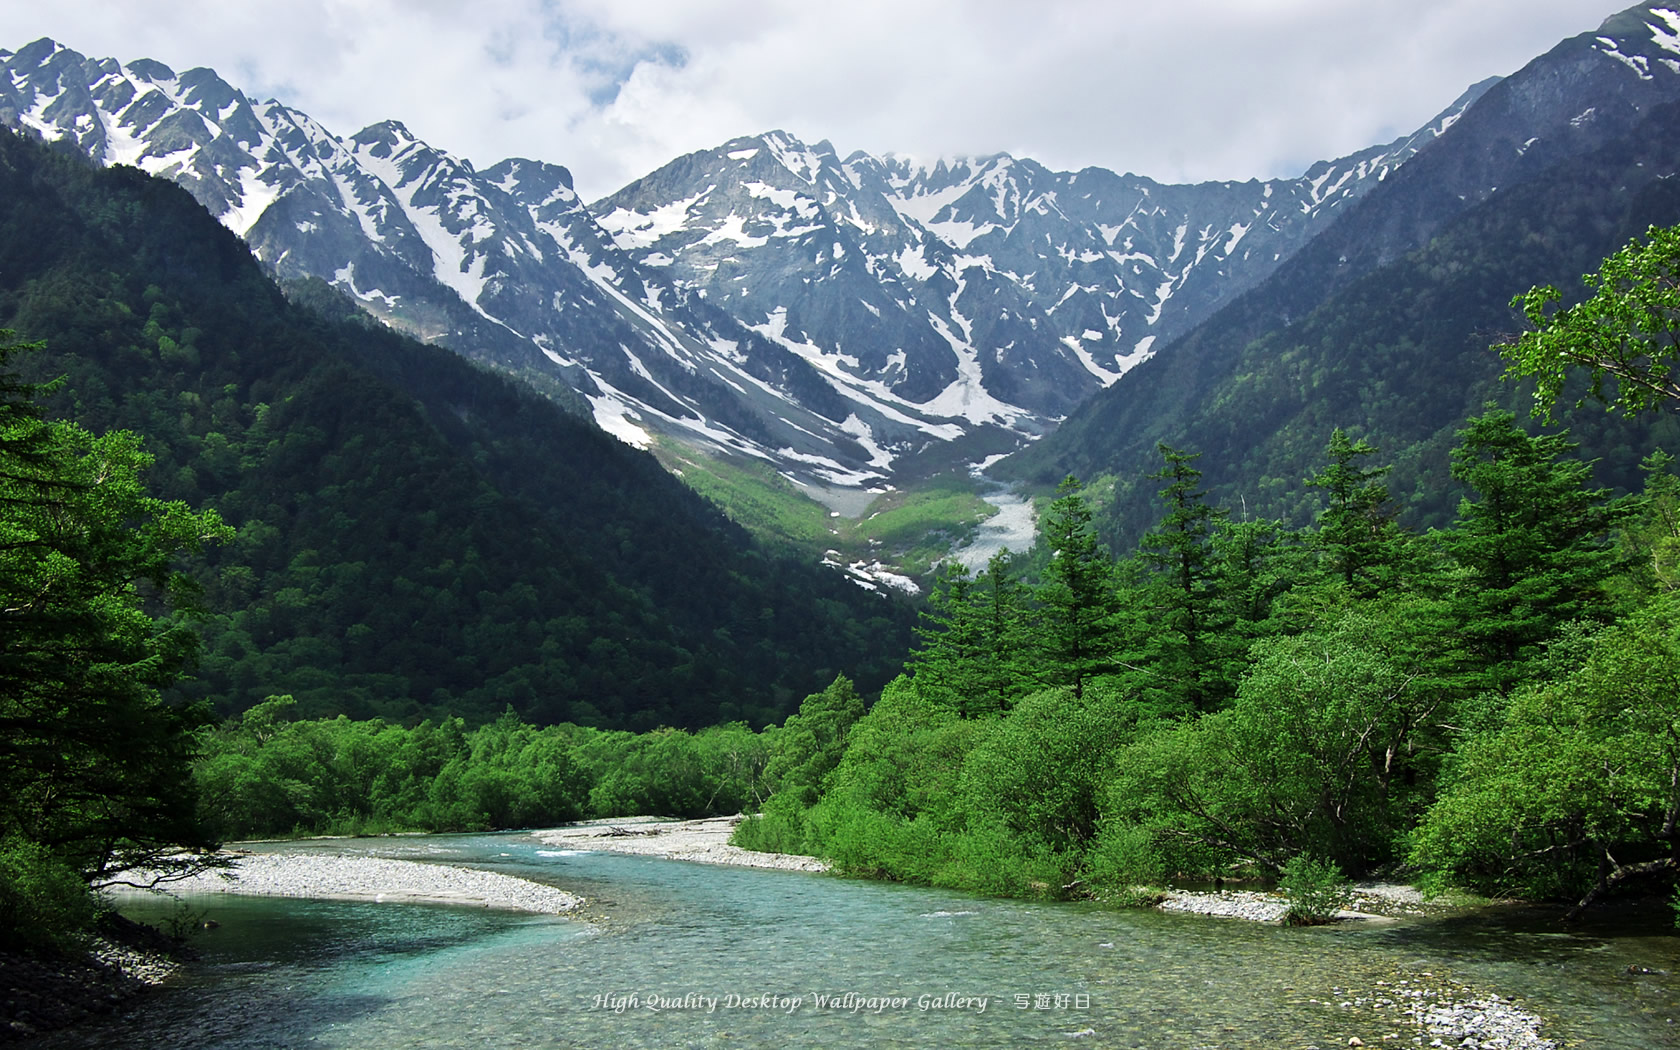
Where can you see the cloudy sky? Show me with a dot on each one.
(1180, 90)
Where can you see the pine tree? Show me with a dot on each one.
(1531, 543)
(1077, 593)
(1356, 530)
(1184, 595)
(977, 652)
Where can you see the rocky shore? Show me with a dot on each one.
(1370, 900)
(703, 841)
(1441, 1013)
(377, 879)
(42, 992)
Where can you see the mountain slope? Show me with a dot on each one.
(764, 299)
(976, 287)
(416, 534)
(504, 266)
(1381, 325)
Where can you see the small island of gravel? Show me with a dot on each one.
(331, 876)
(704, 841)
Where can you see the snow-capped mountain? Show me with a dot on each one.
(504, 265)
(991, 289)
(830, 316)
(1551, 169)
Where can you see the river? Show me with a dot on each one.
(1012, 527)
(669, 954)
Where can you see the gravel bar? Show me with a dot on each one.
(703, 841)
(377, 879)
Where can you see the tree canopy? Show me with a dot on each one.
(1627, 331)
(94, 763)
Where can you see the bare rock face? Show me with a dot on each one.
(765, 297)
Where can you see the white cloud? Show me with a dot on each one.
(1191, 90)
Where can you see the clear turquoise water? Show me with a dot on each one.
(289, 973)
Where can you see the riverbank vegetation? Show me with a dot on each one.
(1495, 704)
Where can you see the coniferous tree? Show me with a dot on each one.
(1531, 543)
(1356, 530)
(976, 651)
(1077, 594)
(1183, 594)
(1256, 562)
(1007, 634)
(949, 632)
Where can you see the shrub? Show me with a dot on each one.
(1123, 857)
(43, 902)
(1316, 888)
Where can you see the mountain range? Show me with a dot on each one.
(832, 317)
(853, 322)
(1382, 325)
(416, 535)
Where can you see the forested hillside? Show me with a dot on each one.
(413, 534)
(1399, 356)
(1490, 706)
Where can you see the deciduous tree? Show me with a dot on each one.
(93, 760)
(1627, 331)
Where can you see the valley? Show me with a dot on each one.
(850, 323)
(1030, 551)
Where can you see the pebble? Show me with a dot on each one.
(42, 993)
(704, 841)
(378, 879)
(1231, 904)
(1452, 1015)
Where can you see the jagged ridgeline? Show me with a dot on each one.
(1382, 324)
(846, 318)
(415, 534)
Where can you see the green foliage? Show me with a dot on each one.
(1316, 889)
(93, 762)
(1625, 331)
(994, 805)
(1648, 537)
(44, 902)
(1077, 596)
(1186, 637)
(262, 774)
(1532, 542)
(891, 806)
(418, 536)
(917, 526)
(1386, 341)
(1123, 858)
(811, 742)
(1576, 792)
(1323, 750)
(1356, 529)
(979, 653)
(1038, 774)
(1241, 696)
(754, 495)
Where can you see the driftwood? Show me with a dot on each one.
(1616, 874)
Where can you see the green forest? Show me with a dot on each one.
(269, 495)
(232, 608)
(1399, 352)
(1493, 705)
(416, 536)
